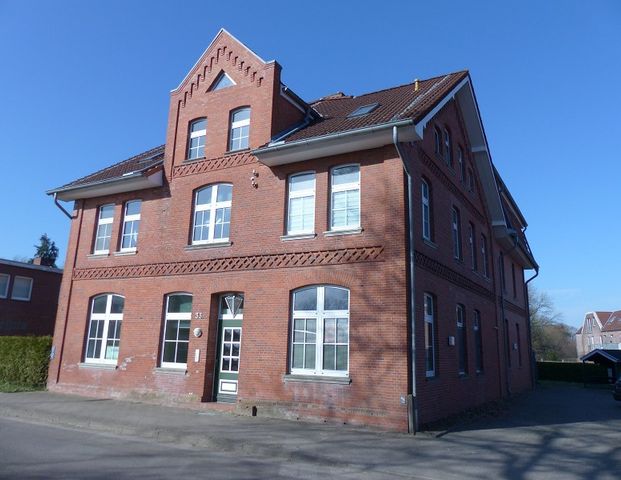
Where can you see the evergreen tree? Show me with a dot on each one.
(46, 251)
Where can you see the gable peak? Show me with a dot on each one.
(222, 81)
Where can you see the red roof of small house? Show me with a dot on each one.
(603, 316)
(613, 323)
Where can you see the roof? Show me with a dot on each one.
(579, 331)
(30, 266)
(603, 316)
(601, 353)
(613, 322)
(136, 164)
(411, 101)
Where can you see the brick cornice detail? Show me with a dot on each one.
(447, 273)
(448, 183)
(230, 264)
(218, 163)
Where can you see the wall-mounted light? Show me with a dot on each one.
(253, 178)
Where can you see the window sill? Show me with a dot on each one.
(197, 159)
(171, 370)
(298, 236)
(233, 152)
(17, 299)
(316, 379)
(431, 378)
(334, 233)
(98, 366)
(430, 243)
(201, 246)
(125, 253)
(98, 255)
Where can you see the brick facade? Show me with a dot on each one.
(261, 263)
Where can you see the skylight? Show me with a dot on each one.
(223, 81)
(363, 110)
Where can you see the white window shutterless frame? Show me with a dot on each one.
(104, 331)
(198, 136)
(301, 205)
(320, 331)
(177, 331)
(212, 214)
(240, 129)
(22, 288)
(4, 285)
(345, 197)
(430, 350)
(104, 229)
(131, 224)
(426, 203)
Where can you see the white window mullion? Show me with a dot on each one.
(320, 328)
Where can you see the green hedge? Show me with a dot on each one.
(572, 372)
(24, 361)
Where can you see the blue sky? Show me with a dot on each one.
(86, 84)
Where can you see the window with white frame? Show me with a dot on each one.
(448, 150)
(104, 229)
(462, 352)
(104, 330)
(177, 330)
(4, 285)
(484, 256)
(345, 198)
(473, 247)
(470, 180)
(456, 233)
(426, 203)
(430, 336)
(320, 331)
(301, 207)
(240, 129)
(437, 141)
(22, 288)
(131, 223)
(212, 214)
(478, 341)
(198, 136)
(461, 163)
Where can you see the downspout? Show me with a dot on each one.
(533, 360)
(62, 208)
(412, 400)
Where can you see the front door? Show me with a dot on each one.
(229, 347)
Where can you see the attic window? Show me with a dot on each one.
(223, 81)
(363, 110)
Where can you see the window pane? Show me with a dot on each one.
(171, 330)
(341, 357)
(179, 303)
(305, 181)
(133, 208)
(329, 331)
(309, 361)
(243, 114)
(225, 193)
(203, 196)
(305, 299)
(99, 304)
(234, 365)
(117, 304)
(336, 299)
(342, 175)
(199, 125)
(236, 335)
(329, 357)
(169, 352)
(4, 285)
(227, 335)
(342, 331)
(184, 330)
(298, 356)
(226, 364)
(107, 211)
(21, 287)
(182, 352)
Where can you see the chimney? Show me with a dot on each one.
(36, 261)
(416, 85)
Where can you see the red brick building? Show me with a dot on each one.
(353, 258)
(28, 298)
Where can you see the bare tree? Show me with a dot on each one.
(552, 339)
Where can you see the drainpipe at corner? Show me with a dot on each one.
(533, 360)
(412, 402)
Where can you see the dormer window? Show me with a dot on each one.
(363, 110)
(240, 129)
(223, 81)
(196, 142)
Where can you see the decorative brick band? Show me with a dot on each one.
(218, 163)
(447, 273)
(250, 262)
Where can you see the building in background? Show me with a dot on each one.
(28, 298)
(356, 259)
(599, 330)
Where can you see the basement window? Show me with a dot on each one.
(363, 110)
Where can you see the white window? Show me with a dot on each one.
(177, 330)
(462, 353)
(301, 206)
(104, 229)
(212, 214)
(320, 333)
(430, 341)
(478, 341)
(4, 285)
(345, 198)
(131, 223)
(223, 81)
(198, 135)
(426, 201)
(456, 232)
(473, 247)
(240, 129)
(104, 331)
(448, 151)
(484, 256)
(461, 164)
(22, 288)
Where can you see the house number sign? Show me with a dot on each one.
(198, 315)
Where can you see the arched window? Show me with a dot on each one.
(345, 197)
(104, 330)
(240, 129)
(212, 214)
(320, 331)
(197, 137)
(177, 330)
